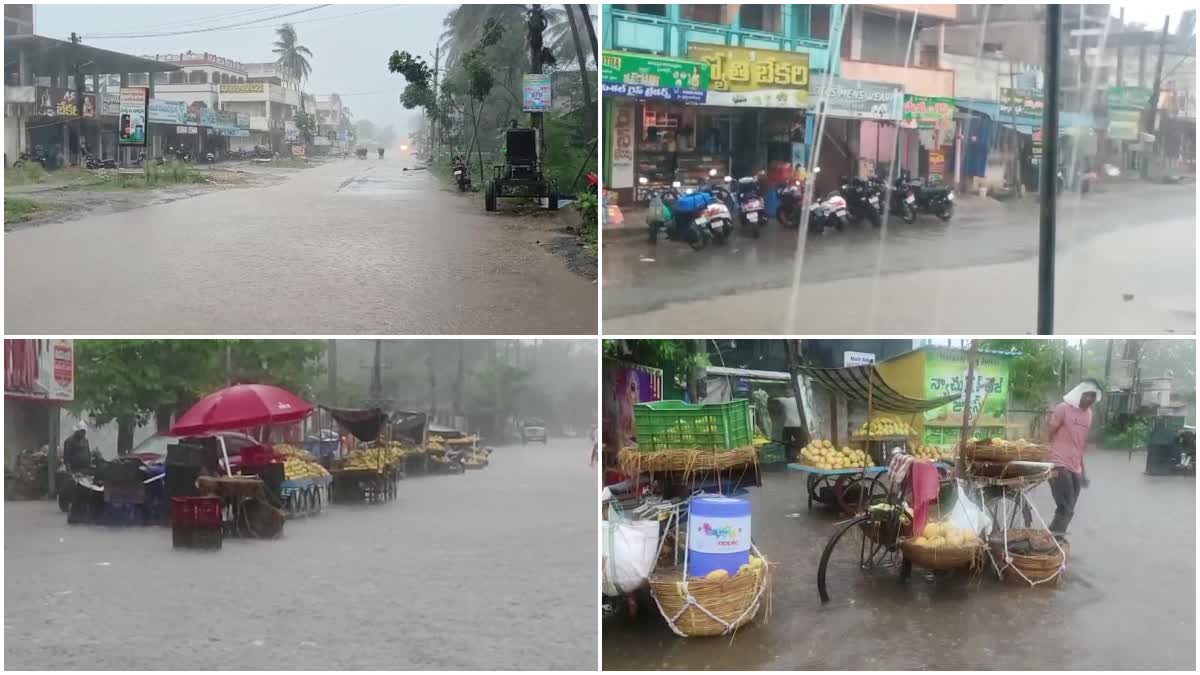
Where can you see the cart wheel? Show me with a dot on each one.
(552, 200)
(856, 547)
(489, 197)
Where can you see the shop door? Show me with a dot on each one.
(745, 144)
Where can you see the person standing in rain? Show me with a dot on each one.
(77, 455)
(1067, 436)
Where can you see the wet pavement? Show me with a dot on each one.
(1128, 600)
(977, 272)
(493, 569)
(350, 246)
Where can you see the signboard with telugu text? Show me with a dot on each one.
(946, 374)
(747, 69)
(535, 92)
(622, 146)
(131, 125)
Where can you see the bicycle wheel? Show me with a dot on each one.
(851, 547)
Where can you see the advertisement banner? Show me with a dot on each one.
(243, 120)
(1020, 103)
(946, 373)
(646, 92)
(291, 132)
(1128, 98)
(167, 112)
(242, 88)
(110, 105)
(298, 150)
(54, 102)
(535, 93)
(622, 147)
(859, 99)
(762, 98)
(686, 80)
(131, 129)
(629, 385)
(928, 111)
(747, 69)
(1124, 124)
(40, 369)
(857, 359)
(937, 165)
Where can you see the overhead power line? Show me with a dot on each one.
(204, 30)
(207, 18)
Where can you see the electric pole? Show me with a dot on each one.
(433, 126)
(76, 67)
(376, 373)
(537, 24)
(1152, 107)
(331, 351)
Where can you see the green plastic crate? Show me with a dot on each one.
(665, 425)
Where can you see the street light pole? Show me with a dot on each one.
(1047, 225)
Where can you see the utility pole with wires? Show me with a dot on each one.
(76, 72)
(536, 26)
(433, 125)
(1152, 105)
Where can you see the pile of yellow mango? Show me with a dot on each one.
(756, 563)
(299, 464)
(886, 426)
(374, 459)
(932, 453)
(945, 535)
(822, 455)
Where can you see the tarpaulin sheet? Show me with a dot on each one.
(364, 423)
(860, 383)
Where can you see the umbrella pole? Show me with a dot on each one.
(225, 454)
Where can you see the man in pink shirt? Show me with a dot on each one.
(1067, 436)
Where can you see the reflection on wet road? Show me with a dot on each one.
(351, 246)
(988, 246)
(1128, 601)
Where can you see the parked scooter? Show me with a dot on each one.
(679, 216)
(750, 205)
(832, 211)
(720, 213)
(791, 204)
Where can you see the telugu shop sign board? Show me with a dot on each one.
(927, 111)
(1020, 103)
(39, 369)
(746, 69)
(653, 77)
(536, 93)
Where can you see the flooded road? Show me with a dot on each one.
(494, 569)
(975, 274)
(1128, 600)
(346, 247)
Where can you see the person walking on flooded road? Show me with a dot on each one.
(1067, 436)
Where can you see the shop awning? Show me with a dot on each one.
(47, 56)
(1025, 124)
(363, 423)
(864, 383)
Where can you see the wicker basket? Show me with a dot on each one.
(735, 600)
(1000, 450)
(943, 557)
(1042, 569)
(1000, 469)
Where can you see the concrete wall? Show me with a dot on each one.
(922, 81)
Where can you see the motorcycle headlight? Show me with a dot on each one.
(950, 195)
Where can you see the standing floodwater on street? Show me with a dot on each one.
(300, 505)
(355, 169)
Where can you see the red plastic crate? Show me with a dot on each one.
(190, 512)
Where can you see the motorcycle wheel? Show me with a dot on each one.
(720, 235)
(696, 239)
(654, 234)
(946, 212)
(908, 214)
(18, 164)
(875, 219)
(489, 198)
(64, 500)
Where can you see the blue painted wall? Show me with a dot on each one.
(670, 35)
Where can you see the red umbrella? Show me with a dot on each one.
(242, 406)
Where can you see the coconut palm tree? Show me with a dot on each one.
(293, 57)
(587, 89)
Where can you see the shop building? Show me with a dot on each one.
(39, 379)
(41, 112)
(668, 117)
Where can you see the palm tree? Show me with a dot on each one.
(292, 56)
(589, 115)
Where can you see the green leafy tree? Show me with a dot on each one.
(131, 382)
(1036, 370)
(306, 123)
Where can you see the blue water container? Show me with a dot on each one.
(719, 534)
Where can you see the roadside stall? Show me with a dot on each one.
(448, 446)
(248, 507)
(369, 473)
(849, 477)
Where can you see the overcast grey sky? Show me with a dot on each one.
(350, 43)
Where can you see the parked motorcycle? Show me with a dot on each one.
(39, 156)
(863, 200)
(660, 212)
(902, 202)
(462, 175)
(937, 200)
(751, 207)
(687, 216)
(719, 214)
(791, 204)
(93, 162)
